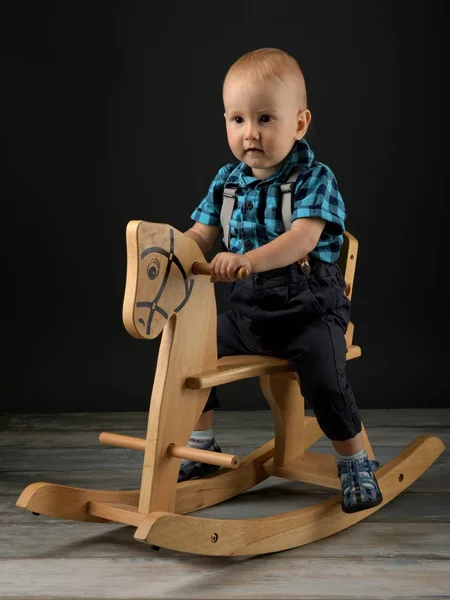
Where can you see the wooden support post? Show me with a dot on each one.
(288, 409)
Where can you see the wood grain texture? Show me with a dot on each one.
(222, 537)
(408, 541)
(156, 576)
(236, 368)
(288, 410)
(62, 539)
(418, 418)
(162, 294)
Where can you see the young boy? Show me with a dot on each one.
(287, 308)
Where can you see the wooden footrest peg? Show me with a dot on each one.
(229, 461)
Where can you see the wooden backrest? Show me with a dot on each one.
(347, 261)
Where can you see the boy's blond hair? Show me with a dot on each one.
(269, 63)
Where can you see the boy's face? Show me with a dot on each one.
(267, 117)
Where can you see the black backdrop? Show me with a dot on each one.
(112, 111)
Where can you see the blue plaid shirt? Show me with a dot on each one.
(256, 219)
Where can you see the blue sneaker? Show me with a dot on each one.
(360, 490)
(195, 470)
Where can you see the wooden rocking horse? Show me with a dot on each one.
(167, 290)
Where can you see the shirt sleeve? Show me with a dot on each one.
(208, 211)
(317, 195)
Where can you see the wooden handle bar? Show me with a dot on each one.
(230, 461)
(201, 268)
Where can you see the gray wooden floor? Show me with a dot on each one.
(401, 551)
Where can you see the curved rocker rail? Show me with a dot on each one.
(77, 504)
(226, 537)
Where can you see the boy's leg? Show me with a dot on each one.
(205, 421)
(319, 357)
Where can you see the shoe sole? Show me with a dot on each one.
(362, 506)
(199, 473)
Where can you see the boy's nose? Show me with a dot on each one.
(252, 133)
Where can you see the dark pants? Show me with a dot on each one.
(301, 318)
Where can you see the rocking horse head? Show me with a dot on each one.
(159, 276)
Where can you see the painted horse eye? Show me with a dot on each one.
(153, 269)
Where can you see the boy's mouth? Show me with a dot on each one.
(253, 150)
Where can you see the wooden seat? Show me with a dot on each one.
(164, 293)
(234, 368)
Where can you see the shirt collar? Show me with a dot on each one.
(300, 155)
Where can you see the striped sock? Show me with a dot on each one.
(360, 454)
(199, 439)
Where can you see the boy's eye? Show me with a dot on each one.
(263, 118)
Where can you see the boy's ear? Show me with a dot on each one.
(303, 121)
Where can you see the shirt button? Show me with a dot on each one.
(249, 205)
(260, 279)
(248, 244)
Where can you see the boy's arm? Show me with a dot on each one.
(288, 247)
(204, 235)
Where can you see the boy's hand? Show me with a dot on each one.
(225, 264)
